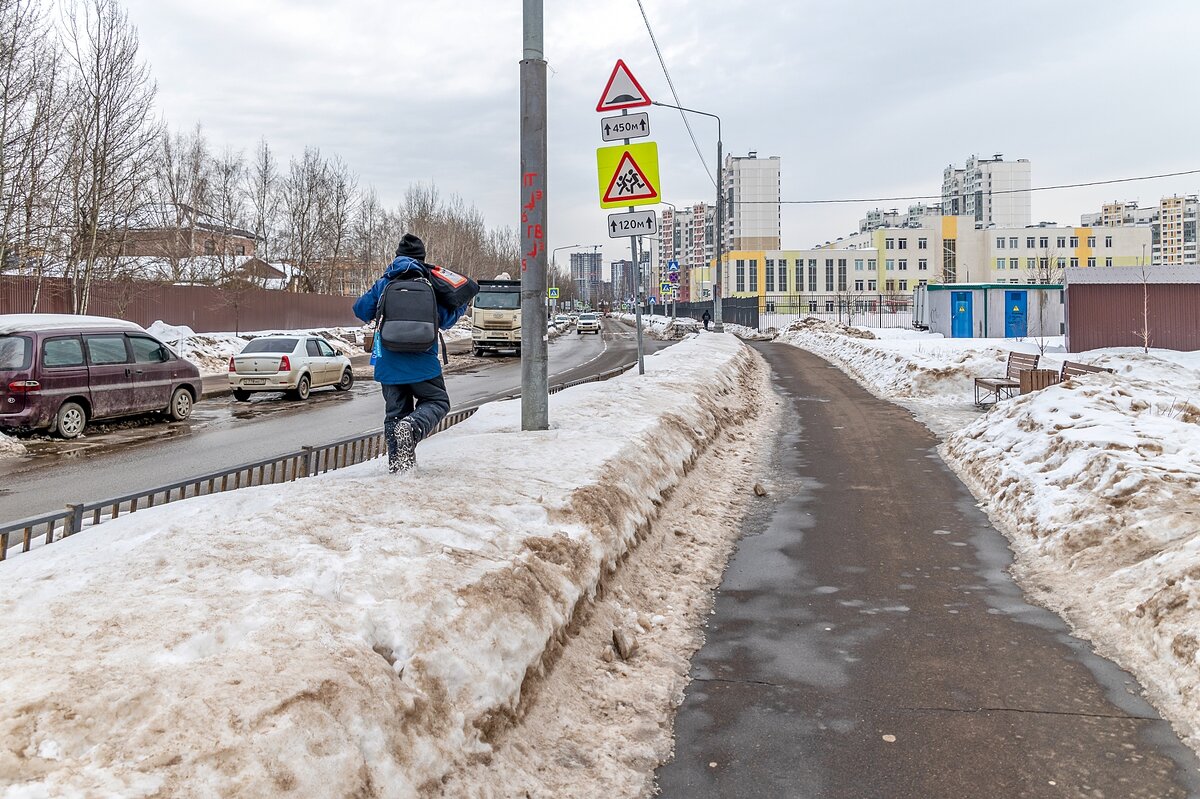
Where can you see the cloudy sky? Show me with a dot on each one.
(860, 98)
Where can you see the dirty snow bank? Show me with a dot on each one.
(351, 634)
(10, 448)
(212, 351)
(931, 375)
(1096, 482)
(664, 327)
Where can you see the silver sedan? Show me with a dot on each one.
(292, 364)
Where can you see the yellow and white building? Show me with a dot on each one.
(941, 249)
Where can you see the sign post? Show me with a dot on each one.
(628, 175)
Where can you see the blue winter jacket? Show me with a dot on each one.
(399, 368)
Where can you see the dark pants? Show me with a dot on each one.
(706, 321)
(423, 404)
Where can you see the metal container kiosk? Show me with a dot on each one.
(993, 310)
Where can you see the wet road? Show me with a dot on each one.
(222, 433)
(867, 641)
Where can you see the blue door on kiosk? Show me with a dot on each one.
(961, 324)
(1016, 321)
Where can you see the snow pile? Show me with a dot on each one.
(1095, 481)
(750, 333)
(664, 328)
(923, 366)
(351, 634)
(812, 323)
(10, 448)
(212, 351)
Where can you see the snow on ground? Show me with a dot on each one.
(665, 328)
(10, 447)
(1096, 482)
(598, 725)
(212, 351)
(350, 634)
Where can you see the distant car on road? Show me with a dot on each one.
(292, 364)
(588, 323)
(60, 372)
(562, 320)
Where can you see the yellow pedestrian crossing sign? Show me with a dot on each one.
(552, 293)
(628, 175)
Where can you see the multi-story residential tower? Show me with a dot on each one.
(587, 273)
(991, 190)
(688, 236)
(751, 194)
(1172, 224)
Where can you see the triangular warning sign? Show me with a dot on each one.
(622, 91)
(628, 182)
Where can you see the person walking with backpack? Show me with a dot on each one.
(410, 303)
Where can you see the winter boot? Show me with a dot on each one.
(404, 456)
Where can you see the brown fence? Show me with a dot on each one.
(202, 308)
(1111, 315)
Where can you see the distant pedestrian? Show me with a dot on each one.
(707, 317)
(410, 303)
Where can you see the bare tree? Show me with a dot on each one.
(111, 128)
(180, 188)
(1047, 268)
(340, 200)
(1143, 333)
(303, 198)
(263, 193)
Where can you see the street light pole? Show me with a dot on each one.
(535, 395)
(717, 326)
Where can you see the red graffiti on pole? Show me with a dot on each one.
(533, 232)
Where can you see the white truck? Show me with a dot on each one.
(496, 317)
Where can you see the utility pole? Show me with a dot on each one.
(535, 397)
(716, 289)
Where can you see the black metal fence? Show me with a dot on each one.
(734, 310)
(305, 462)
(857, 310)
(764, 313)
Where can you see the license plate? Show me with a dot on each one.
(255, 382)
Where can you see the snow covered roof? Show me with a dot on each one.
(1117, 275)
(23, 322)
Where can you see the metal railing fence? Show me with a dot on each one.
(305, 462)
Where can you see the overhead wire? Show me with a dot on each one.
(1085, 184)
(671, 85)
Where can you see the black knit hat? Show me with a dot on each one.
(411, 246)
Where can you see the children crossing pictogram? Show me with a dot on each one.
(628, 175)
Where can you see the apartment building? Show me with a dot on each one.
(990, 191)
(751, 189)
(688, 236)
(1172, 225)
(587, 273)
(949, 250)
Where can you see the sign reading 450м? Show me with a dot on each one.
(632, 126)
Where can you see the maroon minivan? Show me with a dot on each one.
(59, 372)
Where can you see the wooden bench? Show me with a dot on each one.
(1074, 369)
(990, 390)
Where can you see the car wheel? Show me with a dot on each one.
(241, 395)
(302, 388)
(346, 382)
(71, 420)
(181, 405)
(477, 352)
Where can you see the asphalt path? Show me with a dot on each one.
(122, 458)
(867, 640)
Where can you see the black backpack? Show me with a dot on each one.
(407, 320)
